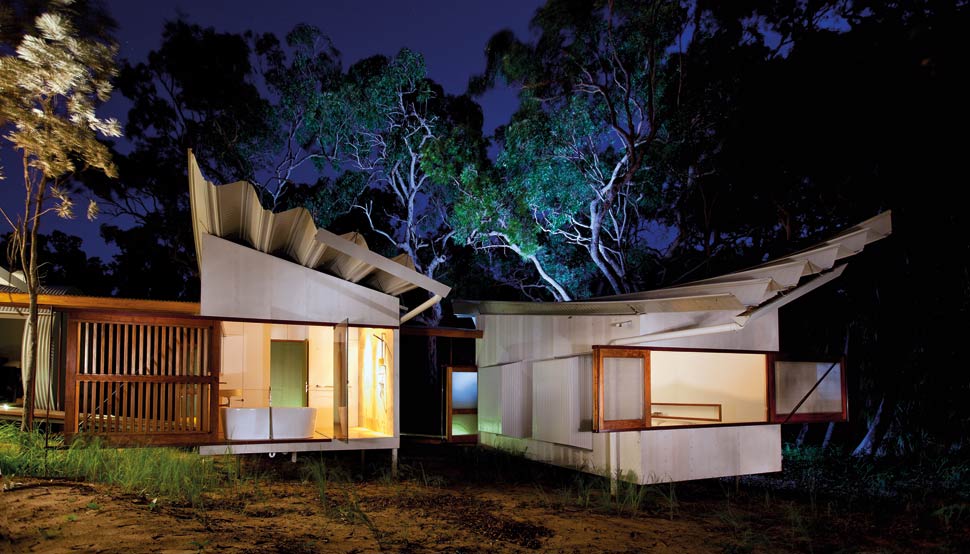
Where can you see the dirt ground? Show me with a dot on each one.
(276, 510)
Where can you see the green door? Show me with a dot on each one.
(288, 373)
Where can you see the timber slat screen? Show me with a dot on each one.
(141, 379)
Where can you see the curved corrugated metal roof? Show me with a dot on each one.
(233, 212)
(741, 290)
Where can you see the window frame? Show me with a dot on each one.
(811, 417)
(450, 411)
(600, 423)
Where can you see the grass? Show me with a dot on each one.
(152, 472)
(808, 507)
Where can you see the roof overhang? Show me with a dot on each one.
(233, 212)
(766, 286)
(71, 302)
(712, 302)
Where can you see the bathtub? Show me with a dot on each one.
(292, 423)
(268, 423)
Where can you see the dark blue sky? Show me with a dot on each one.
(450, 34)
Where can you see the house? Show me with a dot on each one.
(674, 384)
(293, 347)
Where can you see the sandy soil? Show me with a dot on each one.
(286, 515)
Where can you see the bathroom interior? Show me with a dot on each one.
(278, 382)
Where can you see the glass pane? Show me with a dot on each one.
(341, 381)
(623, 388)
(464, 424)
(464, 390)
(794, 379)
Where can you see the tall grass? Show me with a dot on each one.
(168, 472)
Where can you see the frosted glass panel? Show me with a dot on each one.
(794, 379)
(623, 388)
(464, 424)
(464, 390)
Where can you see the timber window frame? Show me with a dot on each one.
(600, 423)
(794, 416)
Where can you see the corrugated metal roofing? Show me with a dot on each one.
(233, 211)
(742, 290)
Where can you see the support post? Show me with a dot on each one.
(613, 446)
(394, 463)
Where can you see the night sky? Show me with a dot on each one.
(450, 35)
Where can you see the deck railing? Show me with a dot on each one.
(142, 379)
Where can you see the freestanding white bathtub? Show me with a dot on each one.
(292, 423)
(268, 423)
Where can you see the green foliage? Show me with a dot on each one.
(167, 472)
(573, 170)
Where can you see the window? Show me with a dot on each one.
(807, 391)
(621, 392)
(638, 388)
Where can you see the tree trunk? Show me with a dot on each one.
(595, 223)
(828, 435)
(27, 421)
(867, 446)
(801, 436)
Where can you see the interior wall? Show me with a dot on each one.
(246, 366)
(736, 381)
(375, 380)
(320, 376)
(245, 363)
(246, 358)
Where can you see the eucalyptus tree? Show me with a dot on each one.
(301, 75)
(402, 147)
(51, 81)
(575, 157)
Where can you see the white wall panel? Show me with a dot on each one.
(490, 399)
(517, 400)
(685, 454)
(241, 282)
(513, 338)
(562, 399)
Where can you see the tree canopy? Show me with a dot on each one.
(654, 143)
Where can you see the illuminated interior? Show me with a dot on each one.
(373, 373)
(464, 403)
(709, 387)
(248, 373)
(645, 388)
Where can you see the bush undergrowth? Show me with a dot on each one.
(168, 472)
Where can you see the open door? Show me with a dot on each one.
(801, 391)
(341, 381)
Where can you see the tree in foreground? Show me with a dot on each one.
(49, 87)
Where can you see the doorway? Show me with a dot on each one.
(288, 373)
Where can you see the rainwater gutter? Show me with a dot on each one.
(680, 333)
(424, 306)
